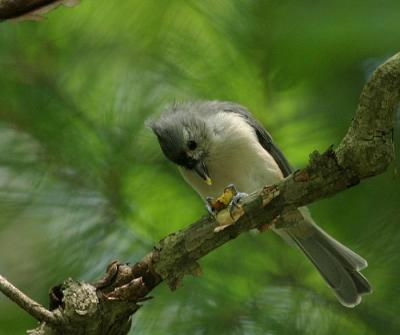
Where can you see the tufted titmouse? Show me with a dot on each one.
(216, 144)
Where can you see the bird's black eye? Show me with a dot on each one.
(192, 145)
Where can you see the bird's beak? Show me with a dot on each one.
(202, 171)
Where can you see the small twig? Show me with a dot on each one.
(30, 9)
(31, 306)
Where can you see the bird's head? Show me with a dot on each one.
(184, 138)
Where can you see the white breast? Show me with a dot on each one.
(236, 157)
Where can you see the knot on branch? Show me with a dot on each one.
(80, 299)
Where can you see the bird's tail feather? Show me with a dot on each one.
(337, 264)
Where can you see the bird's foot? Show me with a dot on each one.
(235, 204)
(226, 209)
(215, 205)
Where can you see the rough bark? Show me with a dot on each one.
(367, 150)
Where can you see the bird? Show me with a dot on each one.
(220, 143)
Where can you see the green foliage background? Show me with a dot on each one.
(82, 182)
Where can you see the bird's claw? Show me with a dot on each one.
(226, 208)
(209, 206)
(235, 202)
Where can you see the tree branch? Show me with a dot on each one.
(32, 307)
(366, 150)
(29, 9)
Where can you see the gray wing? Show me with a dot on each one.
(263, 136)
